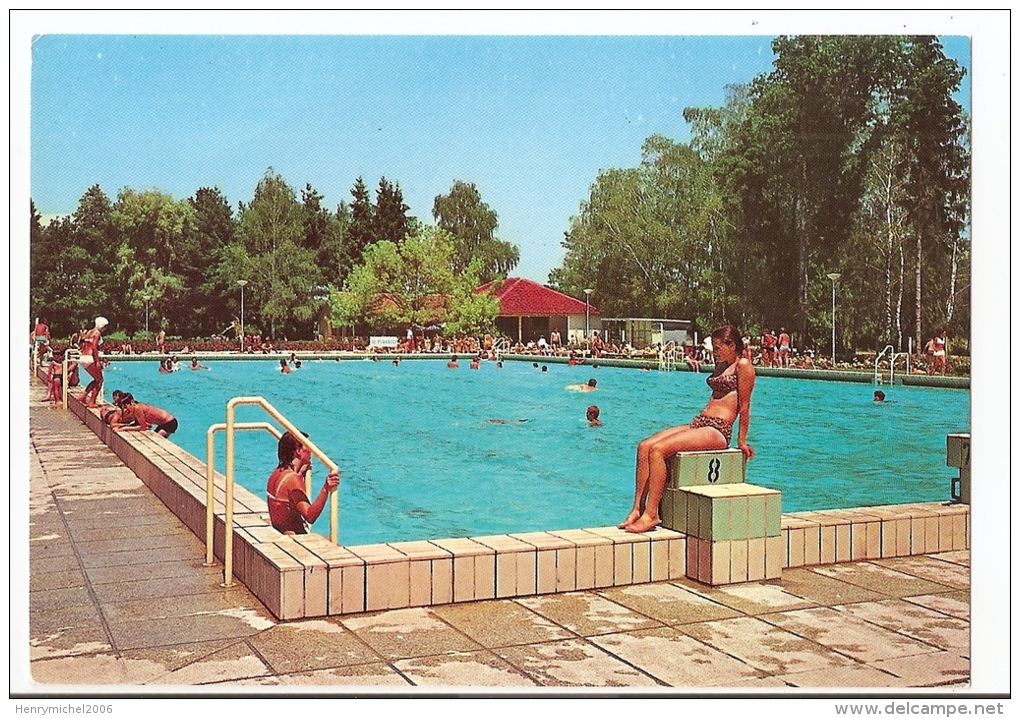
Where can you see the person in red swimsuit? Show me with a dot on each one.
(92, 362)
(732, 383)
(768, 347)
(290, 510)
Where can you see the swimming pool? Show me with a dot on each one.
(422, 456)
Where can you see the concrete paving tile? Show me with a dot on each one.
(933, 669)
(184, 606)
(42, 551)
(170, 658)
(750, 598)
(573, 662)
(56, 618)
(960, 557)
(848, 634)
(107, 518)
(379, 675)
(473, 669)
(668, 603)
(150, 570)
(60, 598)
(675, 658)
(68, 641)
(234, 662)
(63, 563)
(880, 579)
(588, 614)
(918, 622)
(162, 528)
(500, 623)
(942, 572)
(408, 633)
(956, 604)
(96, 669)
(146, 556)
(39, 582)
(172, 630)
(764, 646)
(852, 676)
(806, 583)
(142, 543)
(305, 646)
(155, 588)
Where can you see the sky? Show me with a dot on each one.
(530, 120)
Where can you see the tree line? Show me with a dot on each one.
(849, 157)
(146, 257)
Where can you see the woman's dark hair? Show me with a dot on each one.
(286, 448)
(729, 334)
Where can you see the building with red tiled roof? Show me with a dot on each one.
(529, 310)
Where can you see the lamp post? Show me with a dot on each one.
(587, 296)
(241, 283)
(146, 298)
(834, 276)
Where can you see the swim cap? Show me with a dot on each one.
(101, 322)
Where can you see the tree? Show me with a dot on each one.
(361, 230)
(472, 223)
(651, 240)
(413, 283)
(270, 254)
(208, 309)
(152, 227)
(390, 221)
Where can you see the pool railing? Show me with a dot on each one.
(210, 485)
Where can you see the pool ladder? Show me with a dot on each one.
(667, 360)
(892, 364)
(230, 427)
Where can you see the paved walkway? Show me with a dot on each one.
(118, 595)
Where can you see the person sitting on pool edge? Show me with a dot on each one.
(142, 417)
(290, 511)
(731, 383)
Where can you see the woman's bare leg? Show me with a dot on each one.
(642, 470)
(703, 439)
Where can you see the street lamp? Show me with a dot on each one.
(241, 283)
(587, 296)
(146, 298)
(834, 276)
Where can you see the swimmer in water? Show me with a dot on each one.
(593, 416)
(590, 386)
(284, 367)
(196, 365)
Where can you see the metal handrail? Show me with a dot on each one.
(210, 477)
(334, 531)
(892, 364)
(64, 378)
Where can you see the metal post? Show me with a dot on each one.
(587, 297)
(146, 298)
(834, 276)
(241, 283)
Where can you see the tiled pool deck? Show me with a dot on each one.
(118, 595)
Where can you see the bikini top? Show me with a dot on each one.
(722, 384)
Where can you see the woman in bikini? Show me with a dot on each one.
(732, 383)
(289, 508)
(92, 362)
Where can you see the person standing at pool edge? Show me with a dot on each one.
(91, 361)
(289, 508)
(732, 383)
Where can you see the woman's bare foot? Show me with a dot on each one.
(643, 524)
(631, 518)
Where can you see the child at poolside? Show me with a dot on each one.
(290, 511)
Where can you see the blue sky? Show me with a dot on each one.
(529, 119)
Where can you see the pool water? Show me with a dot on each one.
(422, 457)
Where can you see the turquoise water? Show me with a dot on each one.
(420, 458)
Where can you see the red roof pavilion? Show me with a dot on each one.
(529, 310)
